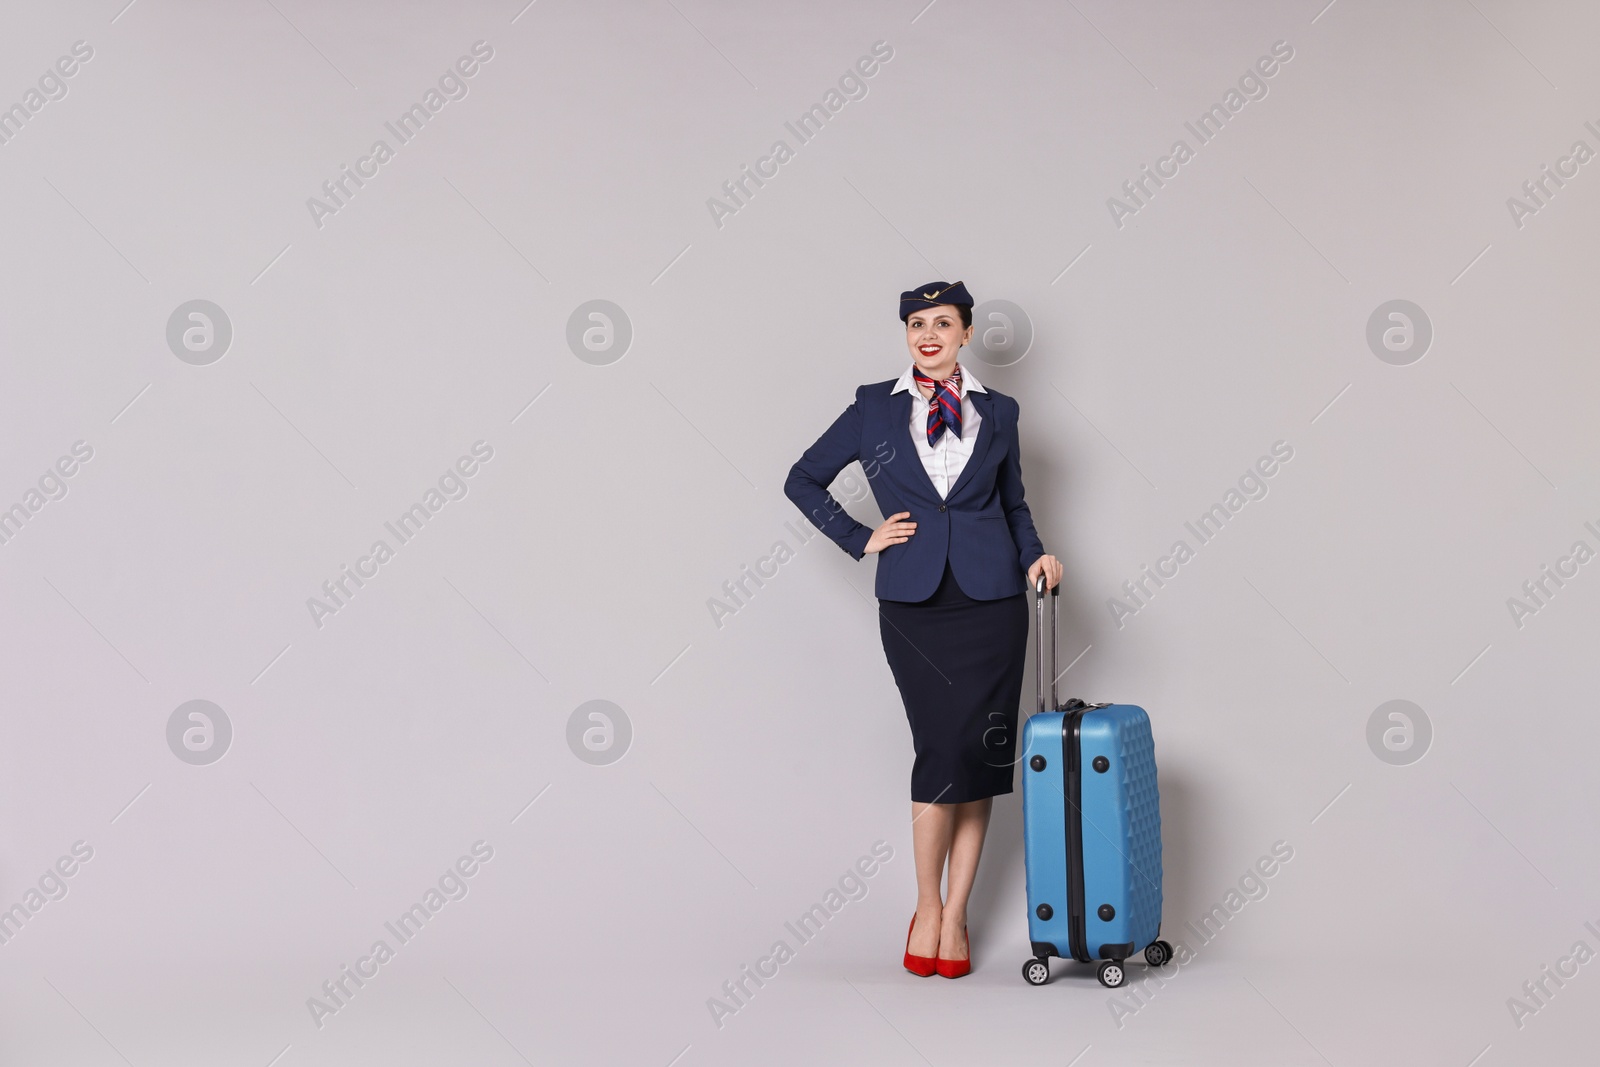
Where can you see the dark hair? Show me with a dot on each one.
(964, 309)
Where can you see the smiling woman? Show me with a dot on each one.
(955, 556)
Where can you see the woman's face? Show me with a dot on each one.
(935, 336)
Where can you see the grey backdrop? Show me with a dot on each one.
(367, 747)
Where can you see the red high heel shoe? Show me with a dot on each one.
(956, 968)
(921, 966)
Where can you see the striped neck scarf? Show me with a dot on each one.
(944, 407)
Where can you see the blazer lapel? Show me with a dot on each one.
(900, 411)
(980, 447)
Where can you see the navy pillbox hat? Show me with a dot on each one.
(932, 295)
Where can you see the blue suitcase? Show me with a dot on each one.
(1091, 818)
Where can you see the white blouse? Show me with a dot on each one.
(945, 460)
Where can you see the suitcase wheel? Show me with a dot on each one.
(1111, 974)
(1157, 953)
(1036, 971)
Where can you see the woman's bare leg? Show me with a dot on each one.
(971, 822)
(931, 826)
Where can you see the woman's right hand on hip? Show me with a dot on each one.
(894, 531)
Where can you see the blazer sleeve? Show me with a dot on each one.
(808, 481)
(1018, 517)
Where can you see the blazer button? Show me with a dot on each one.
(941, 507)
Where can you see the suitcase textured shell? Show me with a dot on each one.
(1119, 830)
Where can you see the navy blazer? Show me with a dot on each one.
(983, 527)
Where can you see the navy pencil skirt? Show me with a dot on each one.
(958, 663)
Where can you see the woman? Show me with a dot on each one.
(957, 555)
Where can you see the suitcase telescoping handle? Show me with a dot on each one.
(1055, 592)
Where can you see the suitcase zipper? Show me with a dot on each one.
(1073, 794)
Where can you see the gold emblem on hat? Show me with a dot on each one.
(940, 292)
